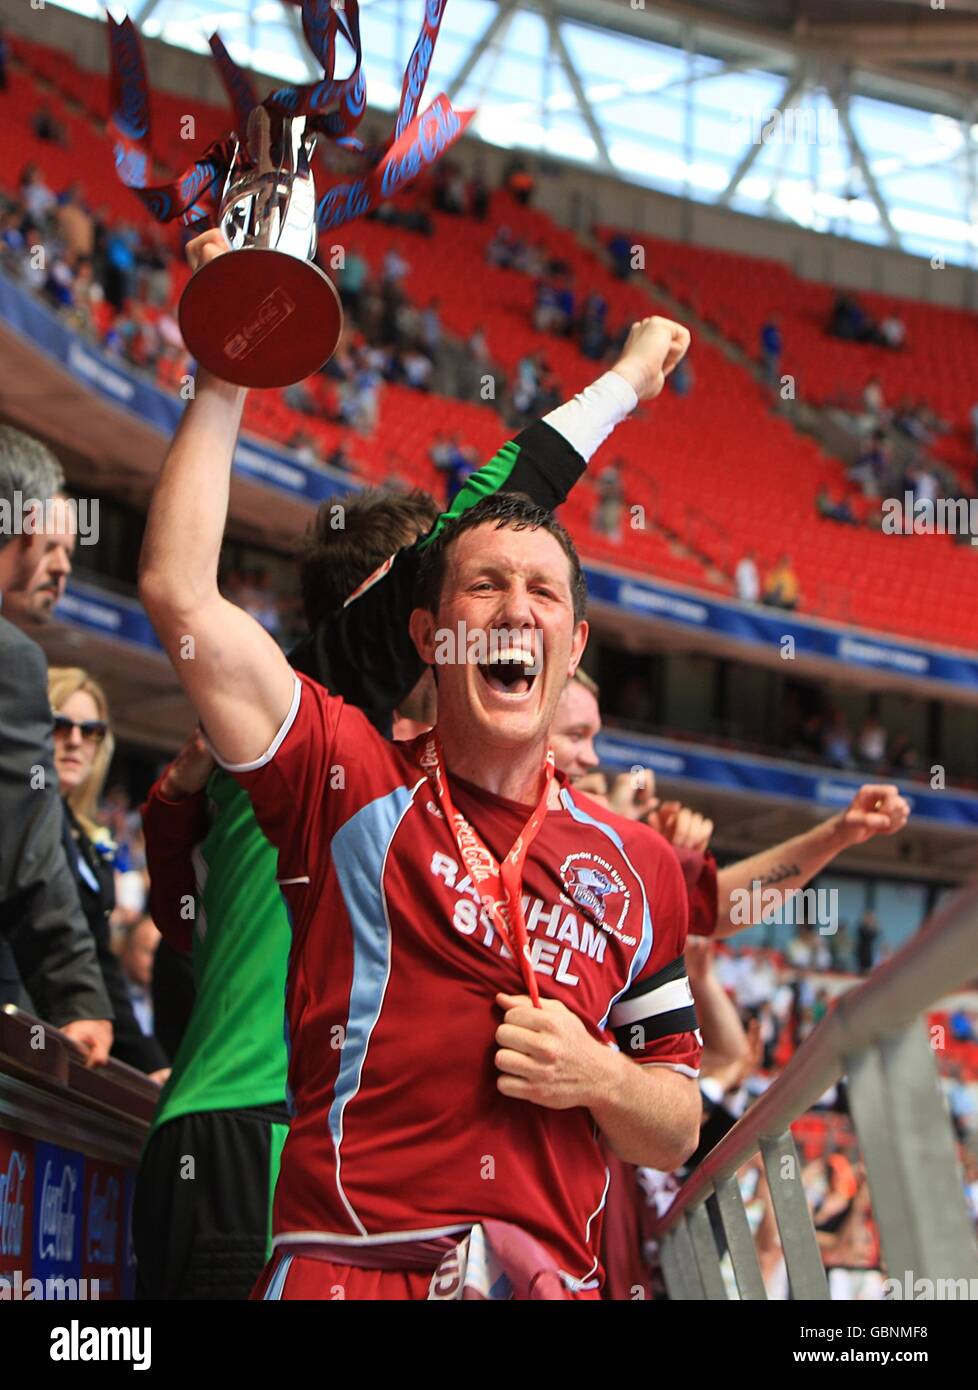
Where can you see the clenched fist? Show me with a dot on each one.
(653, 349)
(547, 1056)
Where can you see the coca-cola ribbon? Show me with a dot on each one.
(499, 885)
(419, 63)
(193, 196)
(333, 107)
(237, 84)
(424, 141)
(321, 24)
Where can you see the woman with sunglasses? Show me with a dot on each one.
(83, 746)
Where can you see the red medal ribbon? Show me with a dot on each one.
(500, 886)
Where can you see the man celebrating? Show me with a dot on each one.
(468, 937)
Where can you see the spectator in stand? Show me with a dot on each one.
(33, 262)
(441, 450)
(120, 265)
(75, 225)
(305, 447)
(872, 467)
(840, 948)
(520, 182)
(11, 238)
(849, 321)
(479, 195)
(892, 332)
(871, 744)
(747, 579)
(962, 1027)
(874, 402)
(781, 588)
(606, 519)
(546, 310)
(341, 458)
(620, 249)
(47, 127)
(837, 741)
(136, 958)
(395, 267)
(833, 506)
(501, 247)
(59, 285)
(431, 330)
(47, 956)
(82, 752)
(771, 349)
(683, 377)
(456, 462)
(361, 398)
(35, 194)
(593, 330)
(526, 385)
(416, 369)
(903, 756)
(923, 483)
(867, 941)
(353, 281)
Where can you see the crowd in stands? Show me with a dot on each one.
(826, 736)
(780, 587)
(119, 285)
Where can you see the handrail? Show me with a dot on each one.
(933, 963)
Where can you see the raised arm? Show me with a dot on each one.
(874, 810)
(236, 676)
(364, 652)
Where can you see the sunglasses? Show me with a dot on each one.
(92, 730)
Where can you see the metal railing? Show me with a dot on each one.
(875, 1036)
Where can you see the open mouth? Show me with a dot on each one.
(512, 674)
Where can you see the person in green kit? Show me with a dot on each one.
(207, 1175)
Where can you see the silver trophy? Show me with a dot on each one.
(266, 315)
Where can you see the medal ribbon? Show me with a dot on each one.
(500, 886)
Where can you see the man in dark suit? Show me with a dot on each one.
(47, 954)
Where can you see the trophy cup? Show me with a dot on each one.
(265, 314)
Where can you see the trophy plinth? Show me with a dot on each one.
(261, 317)
(265, 314)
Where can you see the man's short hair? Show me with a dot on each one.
(28, 472)
(335, 559)
(588, 682)
(504, 509)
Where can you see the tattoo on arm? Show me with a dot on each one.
(778, 873)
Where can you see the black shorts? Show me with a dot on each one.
(202, 1210)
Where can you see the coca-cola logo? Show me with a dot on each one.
(11, 1205)
(103, 1222)
(57, 1233)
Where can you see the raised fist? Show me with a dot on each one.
(652, 350)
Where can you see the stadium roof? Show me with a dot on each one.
(858, 117)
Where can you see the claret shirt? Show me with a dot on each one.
(399, 1130)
